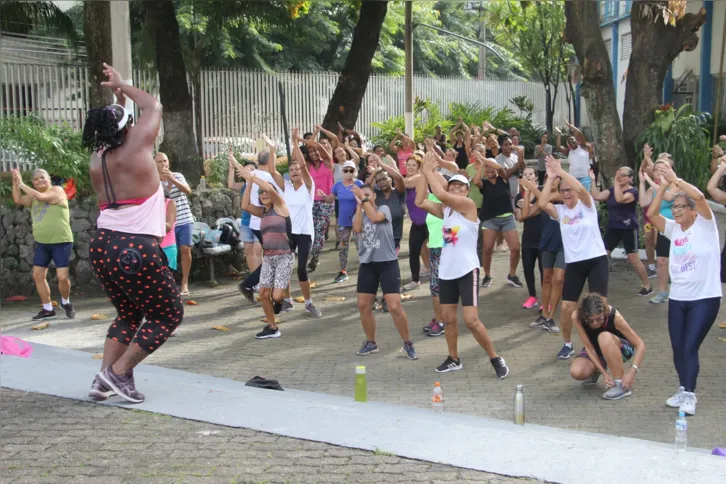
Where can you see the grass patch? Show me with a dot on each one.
(378, 451)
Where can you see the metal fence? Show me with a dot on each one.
(237, 104)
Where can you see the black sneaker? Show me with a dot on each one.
(384, 305)
(247, 292)
(487, 281)
(500, 367)
(514, 281)
(538, 323)
(449, 364)
(645, 291)
(268, 332)
(551, 326)
(437, 329)
(44, 314)
(122, 385)
(276, 307)
(70, 312)
(312, 265)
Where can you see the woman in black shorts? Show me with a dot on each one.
(621, 199)
(585, 253)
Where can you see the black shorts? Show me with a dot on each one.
(386, 274)
(662, 246)
(628, 236)
(466, 287)
(595, 271)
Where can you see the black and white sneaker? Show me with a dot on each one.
(247, 292)
(70, 312)
(514, 281)
(487, 281)
(538, 323)
(551, 326)
(44, 314)
(449, 364)
(500, 367)
(268, 332)
(645, 291)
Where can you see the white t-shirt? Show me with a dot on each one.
(694, 260)
(579, 160)
(458, 256)
(255, 195)
(507, 163)
(580, 231)
(300, 204)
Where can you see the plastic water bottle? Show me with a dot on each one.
(437, 401)
(519, 406)
(681, 432)
(202, 184)
(361, 385)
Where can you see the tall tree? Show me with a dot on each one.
(583, 31)
(97, 34)
(347, 98)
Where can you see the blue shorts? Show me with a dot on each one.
(247, 235)
(60, 254)
(183, 234)
(586, 182)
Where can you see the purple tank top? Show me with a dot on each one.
(418, 215)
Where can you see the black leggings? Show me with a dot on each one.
(133, 271)
(530, 255)
(416, 238)
(254, 278)
(302, 243)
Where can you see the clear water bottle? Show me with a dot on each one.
(202, 184)
(681, 441)
(437, 401)
(519, 406)
(361, 384)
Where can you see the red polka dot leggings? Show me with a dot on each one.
(132, 270)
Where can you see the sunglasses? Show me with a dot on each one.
(348, 170)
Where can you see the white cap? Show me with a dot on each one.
(118, 109)
(459, 178)
(350, 164)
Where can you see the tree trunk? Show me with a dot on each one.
(549, 110)
(583, 31)
(345, 104)
(97, 32)
(178, 142)
(655, 46)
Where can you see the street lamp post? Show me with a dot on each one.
(408, 45)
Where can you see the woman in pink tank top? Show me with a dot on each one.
(320, 166)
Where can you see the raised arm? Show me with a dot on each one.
(422, 201)
(620, 196)
(231, 181)
(558, 143)
(645, 196)
(400, 184)
(658, 220)
(577, 134)
(272, 163)
(334, 140)
(325, 156)
(393, 146)
(691, 192)
(713, 184)
(300, 159)
(18, 198)
(353, 155)
(246, 205)
(716, 153)
(368, 207)
(528, 208)
(600, 196)
(545, 196)
(461, 204)
(52, 196)
(576, 186)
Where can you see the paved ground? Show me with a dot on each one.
(319, 355)
(52, 440)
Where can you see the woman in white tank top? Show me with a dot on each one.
(459, 266)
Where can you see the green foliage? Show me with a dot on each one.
(23, 17)
(685, 135)
(426, 117)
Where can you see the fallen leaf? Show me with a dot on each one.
(98, 356)
(335, 298)
(406, 296)
(277, 321)
(98, 317)
(722, 325)
(220, 328)
(299, 299)
(722, 339)
(313, 285)
(40, 326)
(54, 303)
(257, 298)
(16, 299)
(192, 303)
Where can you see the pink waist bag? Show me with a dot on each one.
(13, 346)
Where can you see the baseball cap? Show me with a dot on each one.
(349, 164)
(459, 178)
(121, 113)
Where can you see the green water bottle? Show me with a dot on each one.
(361, 385)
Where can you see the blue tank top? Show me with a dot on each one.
(665, 209)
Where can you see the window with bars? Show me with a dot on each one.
(626, 46)
(608, 9)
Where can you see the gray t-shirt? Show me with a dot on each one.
(507, 163)
(375, 242)
(541, 155)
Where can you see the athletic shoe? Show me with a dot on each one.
(268, 332)
(645, 291)
(617, 392)
(538, 323)
(122, 385)
(514, 281)
(99, 392)
(286, 306)
(315, 312)
(500, 367)
(44, 314)
(652, 273)
(676, 400)
(689, 403)
(592, 381)
(341, 277)
(661, 297)
(438, 329)
(410, 352)
(487, 281)
(70, 312)
(256, 288)
(565, 353)
(551, 326)
(368, 348)
(424, 273)
(530, 303)
(276, 307)
(312, 265)
(411, 286)
(429, 326)
(247, 292)
(384, 305)
(449, 364)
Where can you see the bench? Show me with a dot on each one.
(209, 253)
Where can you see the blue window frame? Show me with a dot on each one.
(608, 9)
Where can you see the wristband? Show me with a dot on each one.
(635, 367)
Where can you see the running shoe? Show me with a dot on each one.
(122, 385)
(429, 326)
(384, 305)
(268, 332)
(652, 273)
(617, 392)
(645, 291)
(70, 312)
(530, 303)
(565, 353)
(487, 281)
(425, 273)
(410, 352)
(247, 292)
(500, 367)
(411, 286)
(276, 307)
(538, 323)
(341, 277)
(514, 281)
(99, 392)
(551, 326)
(312, 265)
(368, 348)
(44, 314)
(688, 406)
(449, 364)
(438, 329)
(676, 400)
(592, 381)
(315, 312)
(286, 306)
(661, 297)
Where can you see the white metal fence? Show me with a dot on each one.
(236, 104)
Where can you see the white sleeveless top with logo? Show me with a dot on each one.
(458, 256)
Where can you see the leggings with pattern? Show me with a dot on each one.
(321, 220)
(344, 239)
(133, 272)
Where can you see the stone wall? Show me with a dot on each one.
(17, 244)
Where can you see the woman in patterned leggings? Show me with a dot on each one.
(124, 252)
(320, 166)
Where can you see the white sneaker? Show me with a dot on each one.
(411, 286)
(676, 400)
(689, 403)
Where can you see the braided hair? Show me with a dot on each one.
(101, 128)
